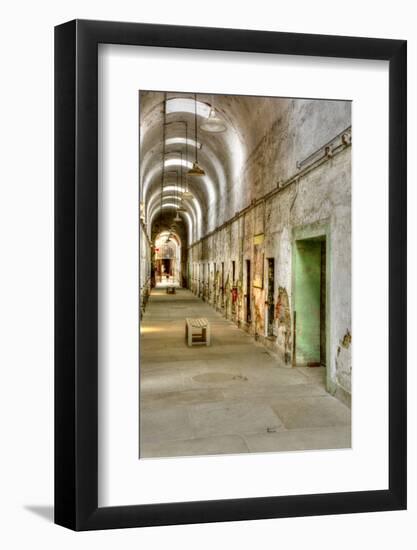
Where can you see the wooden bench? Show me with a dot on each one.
(197, 331)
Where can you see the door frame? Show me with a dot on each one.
(248, 285)
(267, 293)
(300, 233)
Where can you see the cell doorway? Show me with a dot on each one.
(310, 302)
(270, 313)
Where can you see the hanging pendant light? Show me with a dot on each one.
(177, 216)
(163, 156)
(187, 194)
(196, 170)
(142, 211)
(213, 123)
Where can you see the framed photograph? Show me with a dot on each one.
(230, 275)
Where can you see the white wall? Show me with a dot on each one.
(26, 300)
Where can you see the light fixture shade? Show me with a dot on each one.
(196, 170)
(187, 195)
(177, 218)
(213, 123)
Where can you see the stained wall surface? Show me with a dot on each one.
(280, 174)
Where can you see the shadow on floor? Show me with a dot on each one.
(45, 512)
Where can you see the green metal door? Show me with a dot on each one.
(307, 300)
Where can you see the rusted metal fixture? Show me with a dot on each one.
(196, 170)
(327, 150)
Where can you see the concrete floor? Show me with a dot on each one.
(232, 397)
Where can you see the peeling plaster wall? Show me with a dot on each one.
(144, 268)
(265, 137)
(322, 195)
(281, 132)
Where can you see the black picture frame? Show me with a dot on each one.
(76, 271)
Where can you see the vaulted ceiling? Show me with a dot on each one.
(221, 155)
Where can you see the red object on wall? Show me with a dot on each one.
(234, 294)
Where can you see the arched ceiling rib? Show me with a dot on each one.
(192, 210)
(222, 156)
(202, 191)
(163, 235)
(170, 208)
(172, 196)
(209, 185)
